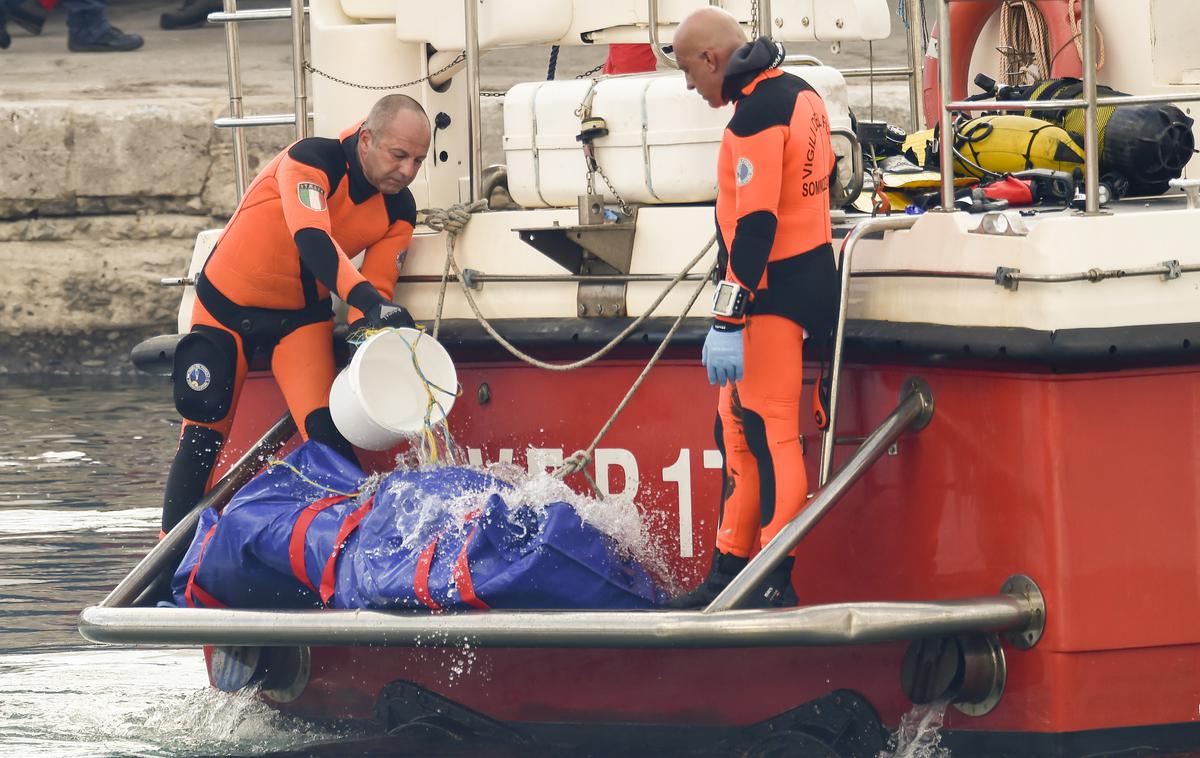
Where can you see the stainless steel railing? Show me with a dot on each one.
(835, 624)
(863, 228)
(231, 17)
(914, 412)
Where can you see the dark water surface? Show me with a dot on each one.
(82, 464)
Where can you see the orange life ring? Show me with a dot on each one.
(967, 20)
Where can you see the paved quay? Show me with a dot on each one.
(111, 166)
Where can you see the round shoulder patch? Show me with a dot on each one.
(198, 377)
(744, 171)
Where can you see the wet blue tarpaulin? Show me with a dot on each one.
(300, 536)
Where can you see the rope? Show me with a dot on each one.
(578, 461)
(1073, 18)
(453, 220)
(304, 478)
(1024, 42)
(429, 449)
(552, 66)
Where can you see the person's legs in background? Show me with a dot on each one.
(191, 15)
(89, 30)
(26, 14)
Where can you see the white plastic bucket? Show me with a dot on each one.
(381, 396)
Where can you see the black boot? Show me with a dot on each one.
(5, 40)
(28, 16)
(113, 40)
(776, 591)
(725, 567)
(193, 14)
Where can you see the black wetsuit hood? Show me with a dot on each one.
(360, 188)
(747, 62)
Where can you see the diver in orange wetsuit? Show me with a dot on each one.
(266, 286)
(779, 281)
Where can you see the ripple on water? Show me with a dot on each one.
(116, 701)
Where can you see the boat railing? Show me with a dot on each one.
(1018, 610)
(834, 624)
(231, 17)
(913, 413)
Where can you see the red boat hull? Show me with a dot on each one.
(1083, 482)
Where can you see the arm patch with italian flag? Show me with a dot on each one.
(312, 196)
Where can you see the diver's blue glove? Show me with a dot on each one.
(722, 356)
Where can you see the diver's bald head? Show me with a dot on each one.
(704, 43)
(709, 27)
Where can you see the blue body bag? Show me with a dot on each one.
(432, 539)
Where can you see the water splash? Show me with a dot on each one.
(614, 516)
(919, 734)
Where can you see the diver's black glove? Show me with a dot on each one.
(388, 315)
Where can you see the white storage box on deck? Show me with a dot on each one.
(662, 140)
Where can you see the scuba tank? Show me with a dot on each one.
(1146, 145)
(992, 145)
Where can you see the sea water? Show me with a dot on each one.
(82, 469)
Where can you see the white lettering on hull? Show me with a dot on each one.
(678, 473)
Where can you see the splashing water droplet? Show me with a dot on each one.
(919, 734)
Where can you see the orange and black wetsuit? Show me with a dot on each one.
(775, 165)
(266, 289)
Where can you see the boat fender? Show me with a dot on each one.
(156, 355)
(966, 23)
(205, 367)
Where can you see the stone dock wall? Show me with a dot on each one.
(100, 199)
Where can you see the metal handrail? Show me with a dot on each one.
(233, 72)
(474, 126)
(1091, 127)
(262, 14)
(835, 624)
(914, 412)
(274, 119)
(916, 54)
(764, 19)
(1009, 276)
(231, 17)
(849, 245)
(478, 277)
(946, 116)
(652, 20)
(877, 73)
(1058, 105)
